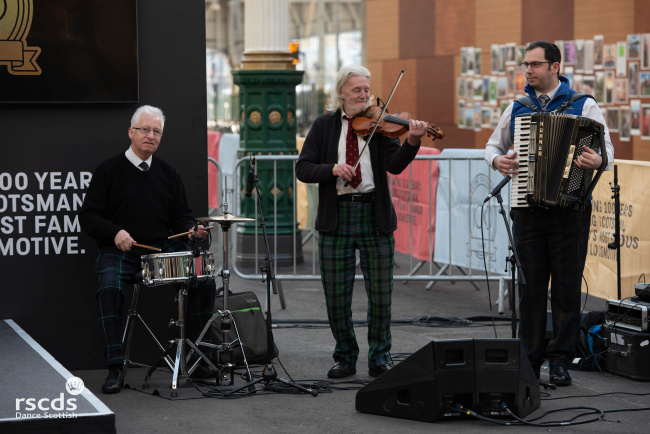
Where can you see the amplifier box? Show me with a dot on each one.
(642, 290)
(631, 314)
(628, 353)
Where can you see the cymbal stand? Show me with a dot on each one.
(225, 349)
(269, 373)
(179, 366)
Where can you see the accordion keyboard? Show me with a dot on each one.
(521, 145)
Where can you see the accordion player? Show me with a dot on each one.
(547, 144)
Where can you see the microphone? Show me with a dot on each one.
(498, 188)
(251, 178)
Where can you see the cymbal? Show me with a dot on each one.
(225, 218)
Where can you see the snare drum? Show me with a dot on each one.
(163, 268)
(176, 267)
(204, 266)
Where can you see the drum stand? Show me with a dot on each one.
(179, 365)
(131, 319)
(225, 349)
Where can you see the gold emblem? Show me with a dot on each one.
(290, 116)
(15, 22)
(275, 117)
(255, 117)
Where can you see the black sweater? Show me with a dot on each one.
(150, 205)
(320, 153)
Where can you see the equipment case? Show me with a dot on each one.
(628, 352)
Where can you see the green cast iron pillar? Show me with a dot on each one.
(268, 127)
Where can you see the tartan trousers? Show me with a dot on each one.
(115, 270)
(356, 229)
(553, 244)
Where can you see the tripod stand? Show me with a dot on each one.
(269, 374)
(179, 365)
(225, 221)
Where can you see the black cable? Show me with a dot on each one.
(421, 321)
(596, 395)
(571, 421)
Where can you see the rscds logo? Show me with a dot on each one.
(59, 407)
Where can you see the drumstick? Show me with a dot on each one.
(185, 233)
(147, 247)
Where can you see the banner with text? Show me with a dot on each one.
(39, 212)
(600, 269)
(414, 199)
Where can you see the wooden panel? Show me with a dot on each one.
(436, 89)
(376, 80)
(640, 150)
(454, 26)
(497, 22)
(382, 29)
(552, 22)
(415, 20)
(455, 137)
(641, 16)
(481, 138)
(404, 99)
(603, 17)
(622, 150)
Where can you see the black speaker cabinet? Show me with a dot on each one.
(504, 376)
(425, 384)
(478, 374)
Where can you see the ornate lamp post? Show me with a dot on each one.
(267, 94)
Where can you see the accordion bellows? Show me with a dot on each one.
(546, 145)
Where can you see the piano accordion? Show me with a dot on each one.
(546, 145)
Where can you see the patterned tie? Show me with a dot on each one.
(544, 100)
(144, 166)
(352, 152)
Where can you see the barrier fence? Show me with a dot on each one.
(444, 228)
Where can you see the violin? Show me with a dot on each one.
(394, 125)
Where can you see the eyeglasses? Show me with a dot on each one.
(145, 131)
(535, 65)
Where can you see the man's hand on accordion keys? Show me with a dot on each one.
(589, 159)
(506, 164)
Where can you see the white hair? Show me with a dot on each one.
(154, 111)
(335, 101)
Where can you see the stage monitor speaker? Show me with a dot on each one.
(424, 386)
(478, 374)
(504, 376)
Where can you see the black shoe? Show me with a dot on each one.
(114, 381)
(342, 369)
(560, 376)
(378, 370)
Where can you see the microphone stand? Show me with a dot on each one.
(616, 244)
(513, 260)
(269, 373)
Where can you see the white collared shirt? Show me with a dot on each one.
(367, 178)
(130, 155)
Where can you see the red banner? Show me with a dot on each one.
(213, 187)
(414, 199)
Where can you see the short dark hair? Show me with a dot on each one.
(551, 51)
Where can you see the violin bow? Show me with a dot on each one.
(381, 114)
